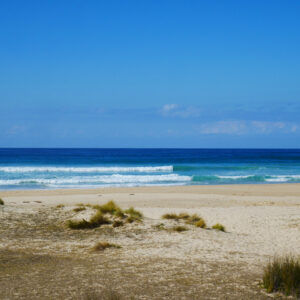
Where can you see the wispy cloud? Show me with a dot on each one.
(240, 127)
(175, 110)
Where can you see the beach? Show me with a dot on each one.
(42, 258)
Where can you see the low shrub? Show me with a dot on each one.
(104, 245)
(1, 202)
(78, 209)
(200, 223)
(170, 216)
(193, 219)
(283, 275)
(179, 228)
(134, 213)
(219, 227)
(109, 208)
(117, 223)
(96, 221)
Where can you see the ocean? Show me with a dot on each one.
(93, 168)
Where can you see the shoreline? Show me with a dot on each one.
(276, 189)
(261, 221)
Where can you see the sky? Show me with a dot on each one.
(184, 74)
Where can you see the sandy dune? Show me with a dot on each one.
(261, 221)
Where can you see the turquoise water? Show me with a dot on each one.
(90, 168)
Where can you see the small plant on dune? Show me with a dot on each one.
(160, 226)
(201, 223)
(1, 202)
(179, 228)
(193, 219)
(109, 208)
(96, 221)
(104, 245)
(78, 209)
(171, 216)
(60, 206)
(117, 223)
(134, 214)
(79, 204)
(283, 275)
(219, 227)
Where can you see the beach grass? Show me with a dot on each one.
(100, 246)
(219, 227)
(282, 274)
(96, 221)
(179, 228)
(78, 209)
(1, 202)
(200, 223)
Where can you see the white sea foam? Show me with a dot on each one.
(115, 179)
(142, 169)
(234, 176)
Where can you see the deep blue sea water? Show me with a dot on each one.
(90, 168)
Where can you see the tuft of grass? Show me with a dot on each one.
(160, 226)
(201, 223)
(60, 206)
(96, 221)
(134, 215)
(100, 246)
(109, 208)
(219, 227)
(283, 275)
(117, 223)
(170, 216)
(193, 219)
(179, 228)
(78, 209)
(1, 202)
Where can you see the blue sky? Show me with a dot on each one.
(150, 74)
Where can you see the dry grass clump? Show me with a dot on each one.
(78, 209)
(60, 206)
(96, 221)
(188, 219)
(100, 246)
(1, 202)
(219, 227)
(108, 213)
(201, 224)
(160, 226)
(134, 215)
(179, 228)
(117, 223)
(171, 216)
(283, 275)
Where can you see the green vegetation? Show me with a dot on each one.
(96, 221)
(179, 228)
(78, 209)
(171, 217)
(108, 213)
(1, 202)
(219, 226)
(188, 219)
(135, 214)
(109, 208)
(283, 275)
(117, 223)
(160, 226)
(201, 224)
(104, 245)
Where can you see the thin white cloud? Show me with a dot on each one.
(239, 127)
(174, 110)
